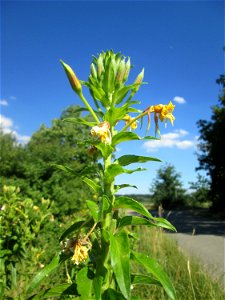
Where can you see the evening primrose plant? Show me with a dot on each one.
(100, 246)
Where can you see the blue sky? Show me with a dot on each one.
(180, 44)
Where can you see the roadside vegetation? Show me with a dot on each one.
(190, 280)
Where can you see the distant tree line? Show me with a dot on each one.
(32, 167)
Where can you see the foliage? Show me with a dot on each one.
(167, 188)
(100, 244)
(200, 190)
(21, 224)
(32, 167)
(212, 147)
(190, 280)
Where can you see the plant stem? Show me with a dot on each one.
(88, 107)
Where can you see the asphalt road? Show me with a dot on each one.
(200, 235)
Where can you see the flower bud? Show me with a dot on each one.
(138, 81)
(93, 71)
(74, 81)
(100, 66)
(127, 70)
(120, 72)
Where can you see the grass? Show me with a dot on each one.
(187, 275)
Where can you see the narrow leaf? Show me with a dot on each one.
(45, 272)
(114, 170)
(144, 279)
(129, 159)
(96, 187)
(80, 121)
(76, 226)
(94, 209)
(129, 203)
(120, 253)
(156, 270)
(84, 284)
(56, 291)
(122, 186)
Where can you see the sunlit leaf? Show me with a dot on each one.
(84, 284)
(114, 170)
(156, 270)
(120, 261)
(96, 187)
(58, 258)
(144, 279)
(80, 121)
(131, 204)
(94, 209)
(122, 186)
(129, 159)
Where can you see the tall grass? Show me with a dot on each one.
(187, 275)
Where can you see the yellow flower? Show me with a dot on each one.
(164, 112)
(102, 131)
(80, 253)
(129, 119)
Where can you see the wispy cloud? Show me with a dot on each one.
(6, 125)
(3, 102)
(175, 139)
(179, 100)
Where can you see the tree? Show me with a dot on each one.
(200, 190)
(167, 188)
(212, 148)
(33, 167)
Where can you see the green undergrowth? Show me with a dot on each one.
(191, 282)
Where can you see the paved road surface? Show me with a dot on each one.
(200, 235)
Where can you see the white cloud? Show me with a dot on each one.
(173, 139)
(6, 125)
(3, 102)
(179, 100)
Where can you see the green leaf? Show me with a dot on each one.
(114, 114)
(97, 286)
(114, 170)
(76, 226)
(80, 121)
(45, 272)
(144, 279)
(129, 203)
(96, 187)
(129, 159)
(111, 294)
(120, 261)
(156, 270)
(105, 149)
(136, 221)
(161, 222)
(122, 186)
(94, 209)
(121, 94)
(57, 291)
(84, 284)
(125, 136)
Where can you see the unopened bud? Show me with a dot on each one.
(100, 66)
(74, 81)
(120, 72)
(93, 71)
(127, 70)
(138, 80)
